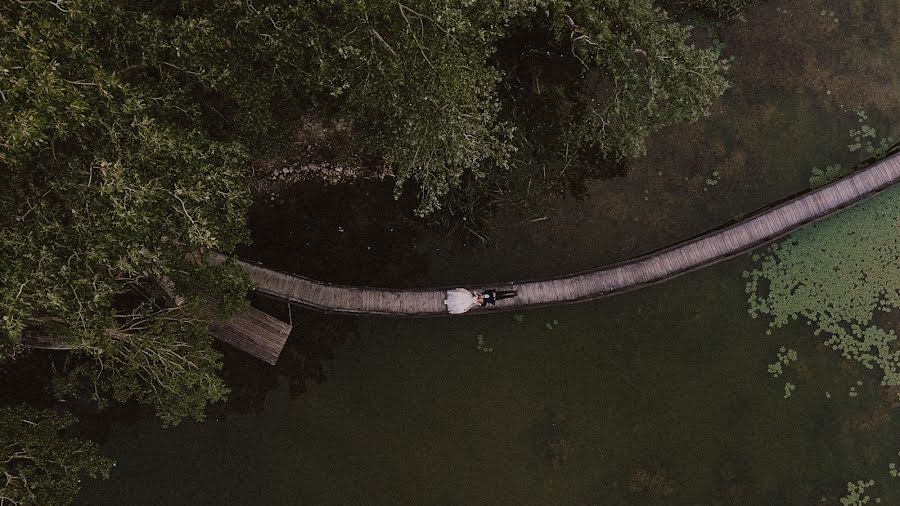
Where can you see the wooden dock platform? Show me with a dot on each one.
(251, 331)
(254, 332)
(758, 229)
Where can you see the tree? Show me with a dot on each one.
(718, 8)
(657, 77)
(42, 464)
(104, 195)
(585, 84)
(126, 129)
(417, 81)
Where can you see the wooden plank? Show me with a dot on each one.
(254, 332)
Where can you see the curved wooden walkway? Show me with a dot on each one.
(714, 246)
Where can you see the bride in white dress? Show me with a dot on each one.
(460, 300)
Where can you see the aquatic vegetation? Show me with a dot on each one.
(858, 135)
(785, 357)
(552, 325)
(654, 483)
(809, 53)
(867, 134)
(481, 345)
(712, 180)
(856, 493)
(829, 14)
(559, 450)
(789, 389)
(837, 274)
(864, 137)
(558, 443)
(875, 414)
(519, 317)
(821, 177)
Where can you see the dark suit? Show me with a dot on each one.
(492, 296)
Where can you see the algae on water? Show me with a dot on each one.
(838, 274)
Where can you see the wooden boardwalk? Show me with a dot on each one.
(712, 247)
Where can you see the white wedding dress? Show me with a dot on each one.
(459, 300)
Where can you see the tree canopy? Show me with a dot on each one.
(126, 129)
(421, 83)
(42, 464)
(105, 194)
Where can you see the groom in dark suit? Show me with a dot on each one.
(491, 296)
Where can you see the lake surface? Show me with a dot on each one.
(669, 381)
(659, 396)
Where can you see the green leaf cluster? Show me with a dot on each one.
(785, 357)
(421, 83)
(720, 8)
(856, 493)
(655, 77)
(41, 462)
(108, 189)
(126, 129)
(584, 84)
(838, 274)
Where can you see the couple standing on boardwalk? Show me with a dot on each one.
(460, 300)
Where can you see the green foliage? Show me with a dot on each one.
(719, 8)
(856, 493)
(414, 80)
(838, 274)
(161, 357)
(584, 85)
(41, 463)
(482, 346)
(126, 128)
(228, 66)
(785, 357)
(831, 173)
(108, 188)
(866, 134)
(417, 81)
(657, 78)
(789, 389)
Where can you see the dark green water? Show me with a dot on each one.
(671, 379)
(656, 397)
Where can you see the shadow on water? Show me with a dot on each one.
(302, 362)
(353, 234)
